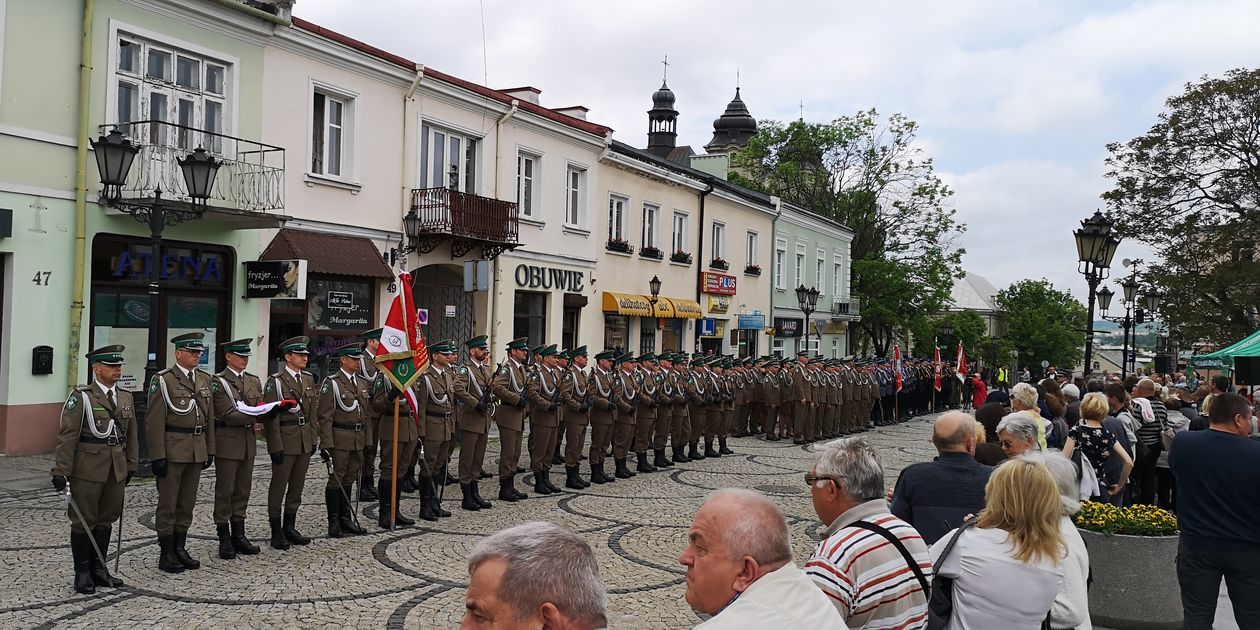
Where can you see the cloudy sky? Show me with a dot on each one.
(1016, 99)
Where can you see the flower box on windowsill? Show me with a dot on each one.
(654, 253)
(619, 245)
(752, 270)
(680, 257)
(718, 263)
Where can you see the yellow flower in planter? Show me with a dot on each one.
(1136, 520)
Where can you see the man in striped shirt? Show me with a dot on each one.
(871, 580)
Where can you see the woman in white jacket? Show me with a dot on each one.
(1071, 605)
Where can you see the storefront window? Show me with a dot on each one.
(672, 335)
(530, 318)
(338, 305)
(616, 332)
(569, 330)
(647, 335)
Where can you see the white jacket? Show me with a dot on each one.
(1071, 605)
(783, 599)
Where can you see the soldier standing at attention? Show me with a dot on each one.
(771, 399)
(665, 412)
(96, 455)
(235, 445)
(291, 440)
(544, 420)
(680, 425)
(473, 384)
(438, 404)
(181, 444)
(562, 364)
(696, 385)
(603, 413)
(649, 407)
(626, 397)
(384, 395)
(510, 384)
(344, 411)
(367, 372)
(575, 395)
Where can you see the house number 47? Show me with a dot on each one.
(42, 278)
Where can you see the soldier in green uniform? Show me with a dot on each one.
(386, 399)
(603, 413)
(291, 440)
(235, 446)
(562, 364)
(649, 383)
(544, 420)
(697, 387)
(626, 397)
(344, 411)
(438, 404)
(665, 411)
(727, 388)
(510, 385)
(575, 396)
(473, 384)
(680, 425)
(367, 372)
(180, 432)
(771, 399)
(96, 455)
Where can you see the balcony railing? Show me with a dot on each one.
(446, 211)
(251, 178)
(845, 308)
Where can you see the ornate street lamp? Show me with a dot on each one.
(114, 155)
(807, 299)
(1104, 299)
(1095, 247)
(1152, 301)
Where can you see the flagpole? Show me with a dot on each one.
(393, 482)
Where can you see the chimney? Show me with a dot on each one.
(576, 111)
(526, 93)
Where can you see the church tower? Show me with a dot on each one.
(733, 129)
(662, 122)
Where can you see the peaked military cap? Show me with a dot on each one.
(239, 347)
(296, 345)
(538, 349)
(647, 356)
(607, 355)
(803, 353)
(352, 350)
(445, 345)
(190, 341)
(107, 355)
(579, 351)
(520, 343)
(375, 333)
(480, 341)
(546, 351)
(627, 357)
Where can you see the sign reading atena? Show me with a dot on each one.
(535, 277)
(719, 283)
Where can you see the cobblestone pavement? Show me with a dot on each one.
(410, 578)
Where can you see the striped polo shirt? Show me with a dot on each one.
(865, 576)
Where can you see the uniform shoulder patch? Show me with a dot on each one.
(271, 386)
(463, 370)
(153, 385)
(324, 389)
(73, 400)
(214, 385)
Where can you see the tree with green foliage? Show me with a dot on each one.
(868, 174)
(1045, 320)
(1190, 189)
(967, 326)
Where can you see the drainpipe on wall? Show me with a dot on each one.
(80, 197)
(774, 236)
(493, 298)
(700, 254)
(402, 162)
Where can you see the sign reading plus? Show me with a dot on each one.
(719, 283)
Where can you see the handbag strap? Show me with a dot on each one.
(949, 546)
(905, 553)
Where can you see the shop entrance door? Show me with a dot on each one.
(440, 289)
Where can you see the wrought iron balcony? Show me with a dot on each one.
(466, 220)
(249, 188)
(846, 309)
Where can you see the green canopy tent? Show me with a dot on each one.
(1223, 359)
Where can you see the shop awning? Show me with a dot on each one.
(685, 309)
(329, 253)
(1223, 359)
(627, 304)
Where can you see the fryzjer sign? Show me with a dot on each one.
(275, 279)
(535, 277)
(719, 283)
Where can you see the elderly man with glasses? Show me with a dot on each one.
(871, 564)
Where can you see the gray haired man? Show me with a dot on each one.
(532, 576)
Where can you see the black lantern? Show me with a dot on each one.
(411, 226)
(1095, 246)
(1152, 300)
(1129, 287)
(802, 294)
(654, 285)
(114, 155)
(1104, 299)
(812, 296)
(200, 169)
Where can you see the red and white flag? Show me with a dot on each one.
(897, 365)
(962, 363)
(404, 355)
(936, 368)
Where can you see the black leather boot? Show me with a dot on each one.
(708, 448)
(571, 479)
(643, 465)
(433, 494)
(82, 552)
(427, 500)
(348, 524)
(693, 453)
(278, 540)
(476, 495)
(399, 519)
(660, 460)
(181, 553)
(722, 447)
(597, 474)
(167, 561)
(100, 574)
(680, 457)
(539, 486)
(291, 533)
(622, 472)
(520, 496)
(366, 491)
(226, 551)
(239, 541)
(506, 491)
(550, 486)
(383, 506)
(468, 503)
(332, 503)
(408, 481)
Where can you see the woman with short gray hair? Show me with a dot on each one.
(1017, 434)
(537, 574)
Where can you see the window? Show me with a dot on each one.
(780, 261)
(526, 167)
(159, 82)
(570, 324)
(447, 159)
(820, 274)
(329, 141)
(836, 273)
(617, 218)
(530, 316)
(778, 346)
(651, 229)
(575, 195)
(719, 241)
(680, 232)
(752, 249)
(800, 268)
(647, 335)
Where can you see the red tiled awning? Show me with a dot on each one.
(329, 253)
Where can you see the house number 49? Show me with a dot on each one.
(42, 278)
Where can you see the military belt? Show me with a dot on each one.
(197, 430)
(349, 426)
(293, 423)
(111, 440)
(438, 414)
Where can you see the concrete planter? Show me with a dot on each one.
(1135, 581)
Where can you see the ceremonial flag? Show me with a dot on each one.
(404, 355)
(936, 369)
(962, 363)
(897, 365)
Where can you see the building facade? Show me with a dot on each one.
(812, 252)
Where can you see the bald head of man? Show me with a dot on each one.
(736, 538)
(955, 432)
